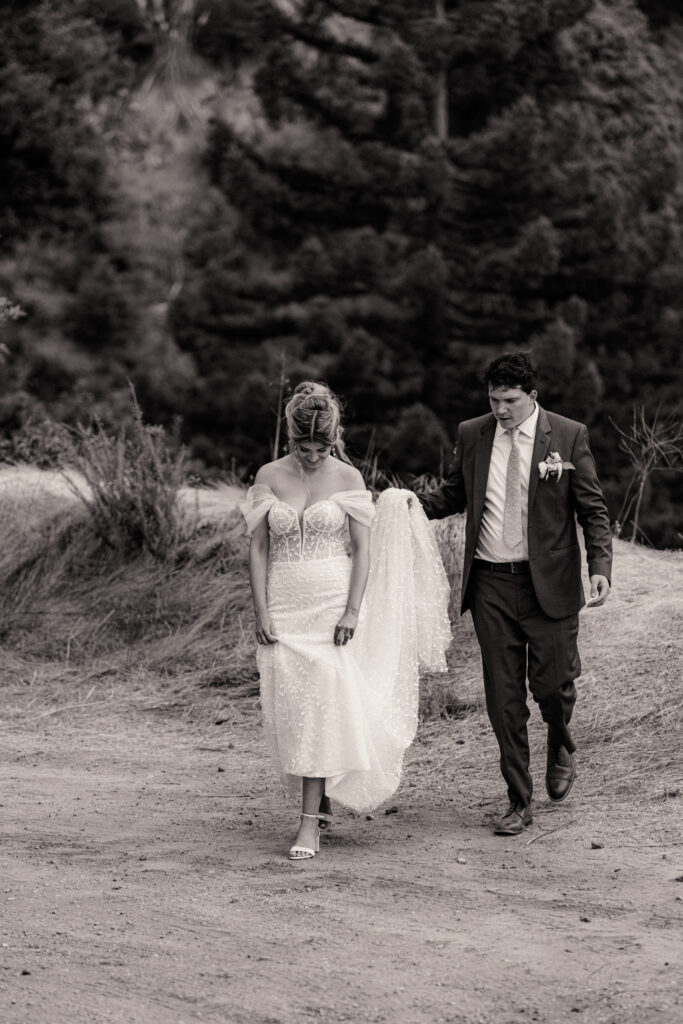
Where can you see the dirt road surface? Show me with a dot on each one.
(144, 880)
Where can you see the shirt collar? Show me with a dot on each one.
(528, 426)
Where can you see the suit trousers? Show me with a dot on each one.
(517, 639)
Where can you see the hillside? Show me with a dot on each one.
(211, 197)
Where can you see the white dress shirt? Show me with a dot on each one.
(491, 545)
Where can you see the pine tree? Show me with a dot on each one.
(336, 257)
(431, 183)
(56, 66)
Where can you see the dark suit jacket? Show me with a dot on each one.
(554, 553)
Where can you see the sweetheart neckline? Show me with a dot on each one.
(320, 501)
(301, 521)
(334, 498)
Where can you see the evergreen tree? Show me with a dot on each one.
(572, 210)
(434, 182)
(53, 64)
(413, 187)
(65, 356)
(335, 258)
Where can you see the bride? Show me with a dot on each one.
(341, 636)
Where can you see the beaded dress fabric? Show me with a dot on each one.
(347, 713)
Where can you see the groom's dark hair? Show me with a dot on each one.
(512, 370)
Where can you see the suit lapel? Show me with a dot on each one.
(541, 449)
(482, 461)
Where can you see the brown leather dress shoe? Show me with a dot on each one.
(561, 772)
(514, 821)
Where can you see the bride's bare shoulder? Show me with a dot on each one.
(272, 473)
(350, 478)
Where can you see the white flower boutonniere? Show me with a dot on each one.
(553, 466)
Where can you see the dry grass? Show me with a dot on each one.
(131, 487)
(631, 693)
(74, 610)
(84, 627)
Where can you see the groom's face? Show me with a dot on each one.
(511, 406)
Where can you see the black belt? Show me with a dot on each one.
(515, 568)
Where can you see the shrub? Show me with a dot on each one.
(132, 481)
(29, 436)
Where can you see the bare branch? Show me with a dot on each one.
(650, 445)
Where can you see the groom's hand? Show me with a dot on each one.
(599, 590)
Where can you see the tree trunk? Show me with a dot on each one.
(175, 66)
(441, 85)
(280, 403)
(636, 511)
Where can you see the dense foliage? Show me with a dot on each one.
(393, 247)
(68, 354)
(414, 187)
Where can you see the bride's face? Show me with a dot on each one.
(312, 454)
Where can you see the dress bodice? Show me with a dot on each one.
(321, 533)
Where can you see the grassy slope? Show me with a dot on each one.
(80, 626)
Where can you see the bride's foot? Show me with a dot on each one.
(325, 814)
(307, 841)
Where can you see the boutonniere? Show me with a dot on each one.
(552, 466)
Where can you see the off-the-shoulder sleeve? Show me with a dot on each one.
(256, 505)
(358, 505)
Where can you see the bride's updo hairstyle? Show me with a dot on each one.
(313, 414)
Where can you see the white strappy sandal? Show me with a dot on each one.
(305, 852)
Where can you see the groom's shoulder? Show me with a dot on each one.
(564, 423)
(470, 428)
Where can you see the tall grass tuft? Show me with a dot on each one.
(132, 480)
(112, 567)
(73, 609)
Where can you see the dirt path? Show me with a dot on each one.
(143, 880)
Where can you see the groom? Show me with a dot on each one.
(524, 475)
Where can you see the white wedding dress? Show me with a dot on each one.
(347, 713)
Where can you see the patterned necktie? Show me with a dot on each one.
(512, 516)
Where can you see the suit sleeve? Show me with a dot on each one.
(450, 497)
(591, 509)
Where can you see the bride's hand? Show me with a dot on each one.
(264, 631)
(345, 628)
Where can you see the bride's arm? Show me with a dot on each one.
(258, 571)
(360, 557)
